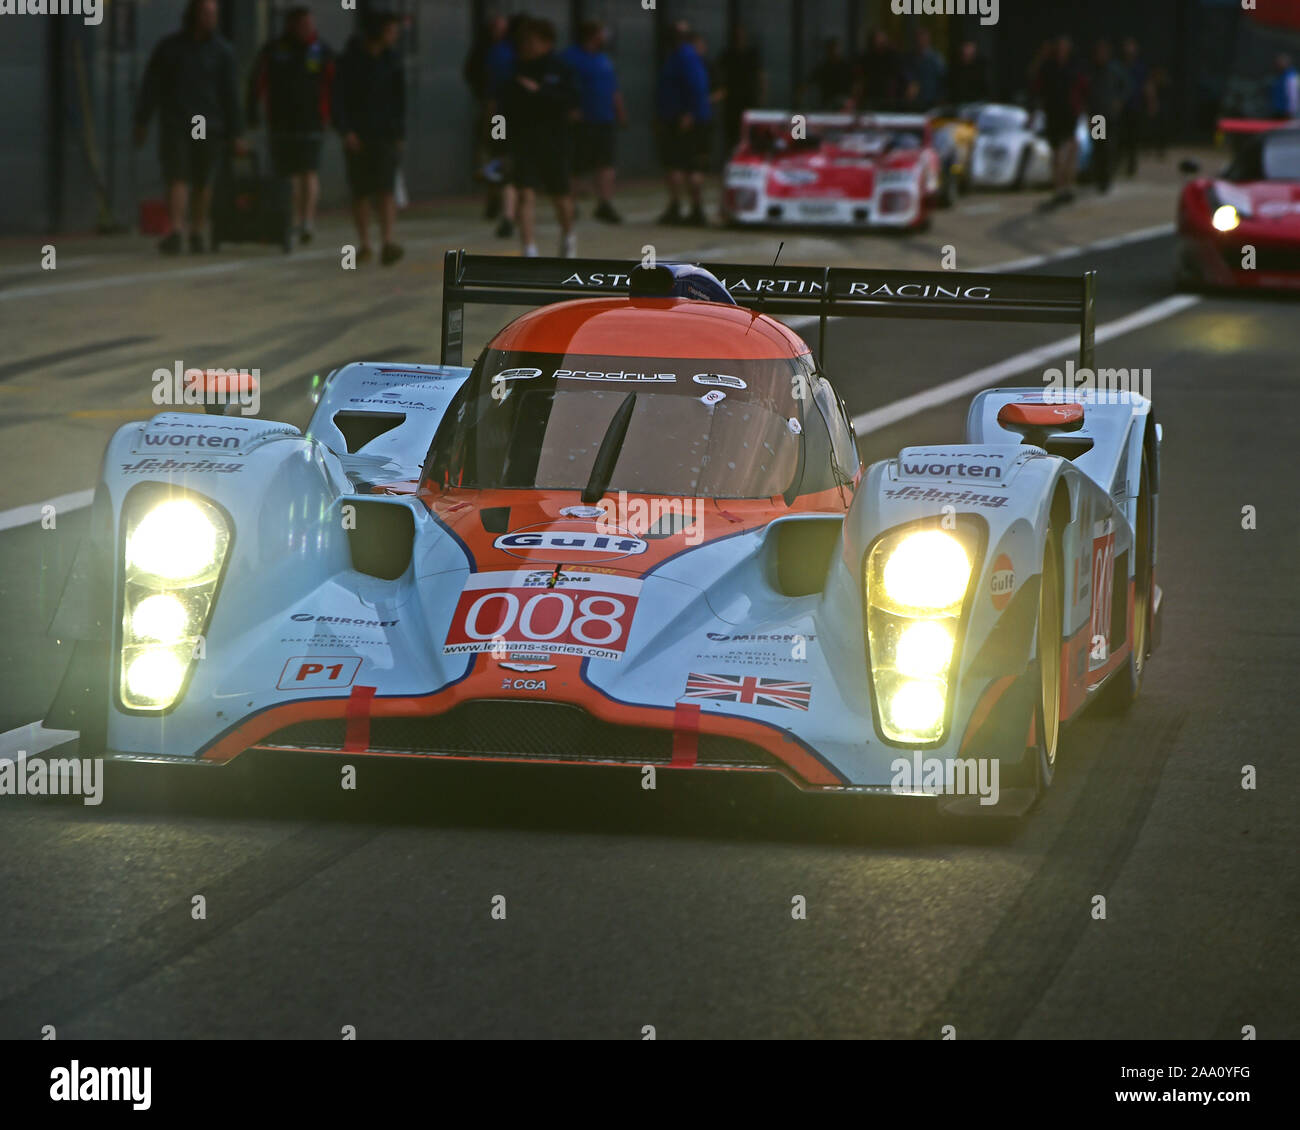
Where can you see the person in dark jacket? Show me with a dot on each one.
(969, 80)
(1060, 88)
(369, 109)
(540, 105)
(190, 82)
(924, 75)
(744, 83)
(879, 78)
(1107, 92)
(832, 77)
(1133, 120)
(488, 67)
(291, 80)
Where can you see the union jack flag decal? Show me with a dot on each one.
(750, 689)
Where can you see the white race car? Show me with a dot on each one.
(1011, 150)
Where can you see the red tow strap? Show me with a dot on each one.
(686, 733)
(357, 737)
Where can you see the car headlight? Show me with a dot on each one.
(174, 551)
(916, 582)
(1225, 218)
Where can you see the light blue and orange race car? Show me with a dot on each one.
(634, 532)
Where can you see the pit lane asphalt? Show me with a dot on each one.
(672, 908)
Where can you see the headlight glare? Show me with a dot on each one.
(917, 707)
(174, 550)
(916, 582)
(1225, 218)
(177, 541)
(924, 649)
(928, 570)
(162, 617)
(153, 675)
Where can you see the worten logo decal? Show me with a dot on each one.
(560, 540)
(751, 690)
(941, 470)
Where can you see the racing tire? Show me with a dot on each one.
(1122, 688)
(1049, 633)
(947, 189)
(1024, 782)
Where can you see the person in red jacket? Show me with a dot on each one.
(291, 81)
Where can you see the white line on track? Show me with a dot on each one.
(35, 511)
(31, 740)
(931, 397)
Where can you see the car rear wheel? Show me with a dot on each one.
(1048, 722)
(1124, 685)
(947, 188)
(1024, 783)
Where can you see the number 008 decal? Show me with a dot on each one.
(584, 614)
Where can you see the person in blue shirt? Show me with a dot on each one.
(1284, 94)
(685, 121)
(499, 62)
(601, 111)
(1136, 106)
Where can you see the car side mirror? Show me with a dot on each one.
(1188, 167)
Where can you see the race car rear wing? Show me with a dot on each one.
(820, 292)
(1255, 125)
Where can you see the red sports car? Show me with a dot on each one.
(845, 170)
(1242, 228)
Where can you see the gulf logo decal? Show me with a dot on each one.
(561, 541)
(1002, 582)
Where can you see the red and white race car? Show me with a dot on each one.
(849, 170)
(1242, 228)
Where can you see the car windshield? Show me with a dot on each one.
(697, 428)
(871, 141)
(1282, 157)
(1001, 119)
